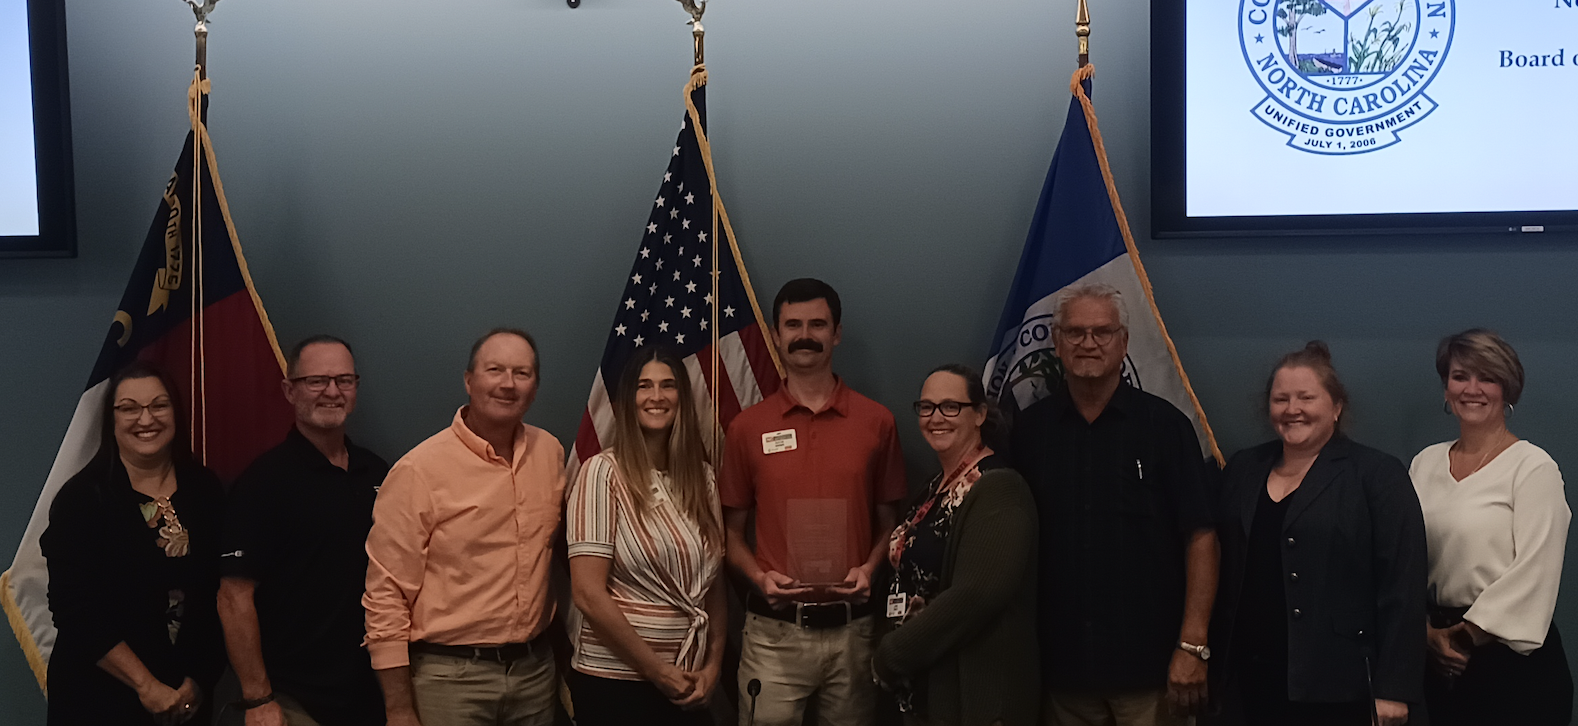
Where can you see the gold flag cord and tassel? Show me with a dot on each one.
(1076, 86)
(698, 79)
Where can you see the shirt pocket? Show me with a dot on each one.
(1139, 493)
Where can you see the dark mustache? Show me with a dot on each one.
(805, 344)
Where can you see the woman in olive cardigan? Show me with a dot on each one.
(962, 650)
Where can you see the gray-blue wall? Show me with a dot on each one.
(408, 174)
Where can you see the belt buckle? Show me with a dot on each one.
(799, 611)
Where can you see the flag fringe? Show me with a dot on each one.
(698, 78)
(24, 634)
(1077, 88)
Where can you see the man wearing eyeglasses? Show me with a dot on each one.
(1128, 554)
(294, 561)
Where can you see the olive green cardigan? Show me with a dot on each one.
(974, 645)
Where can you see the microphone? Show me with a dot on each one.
(753, 688)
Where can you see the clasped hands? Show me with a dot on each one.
(171, 706)
(1451, 647)
(687, 689)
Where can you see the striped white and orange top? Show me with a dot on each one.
(660, 573)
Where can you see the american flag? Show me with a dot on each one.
(668, 297)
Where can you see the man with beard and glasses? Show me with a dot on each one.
(458, 578)
(294, 557)
(819, 465)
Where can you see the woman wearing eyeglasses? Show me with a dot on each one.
(961, 604)
(133, 569)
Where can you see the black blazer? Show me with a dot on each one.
(109, 583)
(1355, 538)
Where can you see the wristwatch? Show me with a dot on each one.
(1203, 652)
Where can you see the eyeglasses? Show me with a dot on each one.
(1102, 336)
(131, 410)
(949, 409)
(316, 384)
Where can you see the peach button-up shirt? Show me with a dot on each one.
(461, 543)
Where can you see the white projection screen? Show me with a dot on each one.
(1322, 116)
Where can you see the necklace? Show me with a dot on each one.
(1489, 452)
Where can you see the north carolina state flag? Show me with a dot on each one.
(191, 309)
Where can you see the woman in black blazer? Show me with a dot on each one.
(1323, 568)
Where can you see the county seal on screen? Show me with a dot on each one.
(1345, 76)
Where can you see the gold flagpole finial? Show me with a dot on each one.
(696, 8)
(1082, 29)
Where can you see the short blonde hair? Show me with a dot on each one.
(1485, 353)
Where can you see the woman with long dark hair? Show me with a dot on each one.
(645, 535)
(133, 569)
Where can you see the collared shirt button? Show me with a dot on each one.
(1291, 542)
(1297, 613)
(1294, 576)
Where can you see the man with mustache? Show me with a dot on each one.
(820, 467)
(1128, 551)
(458, 595)
(293, 558)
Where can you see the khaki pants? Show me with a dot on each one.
(1142, 708)
(795, 665)
(456, 691)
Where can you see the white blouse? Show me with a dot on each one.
(1496, 539)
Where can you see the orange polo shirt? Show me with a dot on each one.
(461, 544)
(848, 452)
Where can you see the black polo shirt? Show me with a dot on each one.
(1118, 499)
(297, 526)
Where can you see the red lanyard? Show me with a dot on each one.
(901, 535)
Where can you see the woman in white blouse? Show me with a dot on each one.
(1496, 524)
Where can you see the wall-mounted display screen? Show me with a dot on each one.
(36, 205)
(1311, 116)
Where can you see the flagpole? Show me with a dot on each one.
(1082, 30)
(698, 34)
(198, 422)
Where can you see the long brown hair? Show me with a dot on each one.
(688, 462)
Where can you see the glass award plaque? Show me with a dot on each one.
(818, 535)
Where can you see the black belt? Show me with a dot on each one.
(507, 653)
(812, 614)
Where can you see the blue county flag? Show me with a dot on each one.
(1080, 235)
(669, 298)
(190, 309)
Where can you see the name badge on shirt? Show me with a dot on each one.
(898, 605)
(779, 441)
